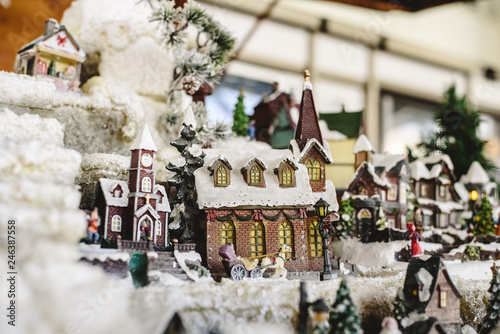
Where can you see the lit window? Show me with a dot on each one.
(442, 298)
(227, 235)
(286, 237)
(255, 175)
(146, 184)
(442, 191)
(315, 241)
(158, 228)
(313, 169)
(391, 193)
(423, 190)
(116, 223)
(222, 176)
(257, 244)
(287, 176)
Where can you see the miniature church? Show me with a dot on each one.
(136, 210)
(261, 199)
(54, 55)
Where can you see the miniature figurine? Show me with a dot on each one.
(414, 237)
(321, 315)
(390, 326)
(55, 55)
(93, 224)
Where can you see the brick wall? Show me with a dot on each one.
(301, 260)
(115, 210)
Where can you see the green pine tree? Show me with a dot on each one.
(346, 222)
(483, 221)
(344, 317)
(457, 134)
(138, 267)
(52, 69)
(493, 310)
(240, 123)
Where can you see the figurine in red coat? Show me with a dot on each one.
(414, 237)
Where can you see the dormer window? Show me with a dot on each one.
(286, 173)
(220, 169)
(313, 169)
(117, 191)
(253, 173)
(222, 176)
(160, 196)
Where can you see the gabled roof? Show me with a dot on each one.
(367, 169)
(41, 43)
(221, 158)
(363, 144)
(143, 140)
(307, 126)
(389, 162)
(107, 187)
(299, 154)
(286, 161)
(251, 162)
(421, 275)
(147, 208)
(164, 206)
(475, 175)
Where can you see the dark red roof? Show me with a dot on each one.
(308, 126)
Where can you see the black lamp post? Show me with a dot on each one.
(326, 231)
(473, 195)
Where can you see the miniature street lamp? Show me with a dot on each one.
(473, 195)
(326, 231)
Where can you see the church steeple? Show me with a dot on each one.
(308, 126)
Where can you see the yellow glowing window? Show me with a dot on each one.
(315, 241)
(287, 176)
(255, 175)
(313, 169)
(227, 235)
(257, 241)
(442, 298)
(222, 176)
(286, 237)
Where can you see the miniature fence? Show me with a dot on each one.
(184, 248)
(137, 245)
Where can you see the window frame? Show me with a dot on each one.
(315, 240)
(257, 240)
(287, 239)
(113, 228)
(145, 185)
(228, 226)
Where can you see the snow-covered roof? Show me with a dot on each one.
(420, 171)
(324, 149)
(438, 159)
(189, 117)
(329, 195)
(107, 187)
(220, 158)
(461, 191)
(164, 206)
(240, 194)
(386, 160)
(144, 140)
(330, 134)
(378, 180)
(363, 144)
(475, 175)
(444, 207)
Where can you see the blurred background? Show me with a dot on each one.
(379, 67)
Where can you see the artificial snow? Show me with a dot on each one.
(363, 144)
(192, 256)
(189, 118)
(475, 175)
(424, 278)
(386, 160)
(144, 140)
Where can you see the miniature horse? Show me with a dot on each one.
(277, 262)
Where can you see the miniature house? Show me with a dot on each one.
(477, 179)
(380, 183)
(136, 210)
(55, 55)
(261, 199)
(433, 183)
(429, 289)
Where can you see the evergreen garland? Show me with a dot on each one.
(225, 218)
(344, 318)
(240, 119)
(457, 134)
(483, 221)
(272, 218)
(243, 218)
(214, 44)
(290, 216)
(492, 316)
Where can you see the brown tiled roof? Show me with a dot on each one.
(308, 126)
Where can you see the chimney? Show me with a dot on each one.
(51, 25)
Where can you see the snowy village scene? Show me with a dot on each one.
(237, 166)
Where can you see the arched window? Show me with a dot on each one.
(257, 239)
(227, 234)
(116, 223)
(313, 169)
(222, 176)
(315, 241)
(287, 176)
(158, 228)
(146, 184)
(255, 175)
(286, 237)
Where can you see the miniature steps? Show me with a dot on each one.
(166, 262)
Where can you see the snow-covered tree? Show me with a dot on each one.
(184, 207)
(344, 318)
(400, 308)
(483, 221)
(240, 119)
(493, 310)
(346, 223)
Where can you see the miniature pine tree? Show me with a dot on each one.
(483, 221)
(400, 308)
(346, 223)
(240, 119)
(457, 134)
(185, 209)
(138, 267)
(344, 318)
(493, 310)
